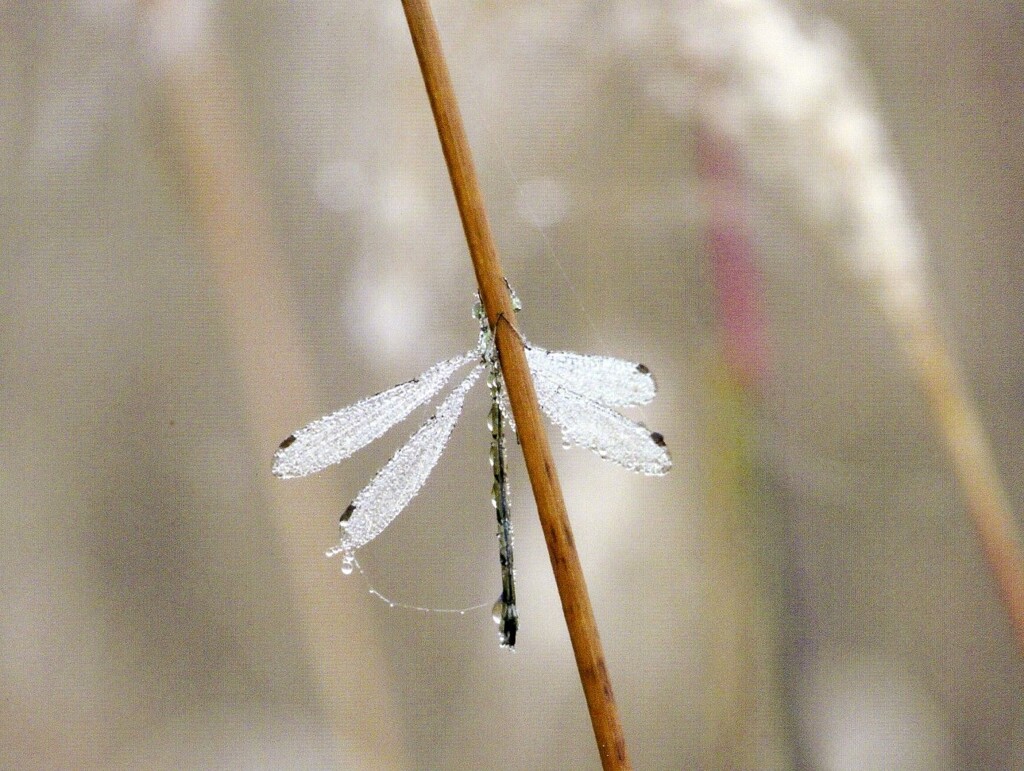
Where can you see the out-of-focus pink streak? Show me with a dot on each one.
(737, 280)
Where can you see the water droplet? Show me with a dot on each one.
(498, 611)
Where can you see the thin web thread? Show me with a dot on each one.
(548, 248)
(407, 605)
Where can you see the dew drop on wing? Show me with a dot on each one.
(658, 439)
(287, 442)
(346, 515)
(642, 369)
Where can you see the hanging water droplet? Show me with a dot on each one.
(348, 565)
(498, 611)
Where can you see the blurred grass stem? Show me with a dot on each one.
(810, 133)
(572, 589)
(274, 369)
(961, 429)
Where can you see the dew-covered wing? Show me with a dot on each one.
(402, 477)
(586, 423)
(336, 436)
(603, 379)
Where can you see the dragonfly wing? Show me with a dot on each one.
(587, 423)
(336, 436)
(402, 477)
(603, 379)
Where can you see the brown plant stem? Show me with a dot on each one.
(572, 588)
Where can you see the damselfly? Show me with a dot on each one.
(579, 393)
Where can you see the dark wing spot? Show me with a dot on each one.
(287, 442)
(347, 514)
(642, 369)
(658, 439)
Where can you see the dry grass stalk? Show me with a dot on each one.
(572, 589)
(273, 366)
(791, 99)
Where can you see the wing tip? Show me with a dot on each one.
(643, 369)
(665, 462)
(283, 467)
(278, 467)
(346, 515)
(279, 471)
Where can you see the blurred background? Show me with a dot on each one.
(222, 220)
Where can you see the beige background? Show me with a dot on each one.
(164, 600)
